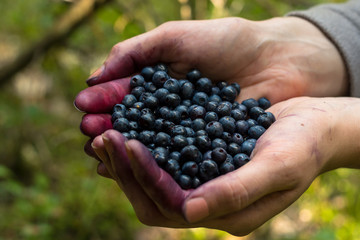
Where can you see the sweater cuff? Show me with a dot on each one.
(341, 24)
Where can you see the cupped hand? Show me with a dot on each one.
(277, 58)
(308, 138)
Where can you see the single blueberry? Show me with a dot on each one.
(203, 142)
(218, 155)
(237, 114)
(248, 146)
(146, 137)
(160, 94)
(162, 139)
(252, 122)
(137, 81)
(228, 93)
(133, 114)
(185, 181)
(218, 143)
(139, 105)
(137, 91)
(237, 87)
(211, 106)
(214, 129)
(265, 120)
(242, 127)
(190, 153)
(172, 85)
(172, 166)
(189, 132)
(193, 75)
(240, 160)
(172, 100)
(198, 124)
(211, 116)
(264, 103)
(116, 115)
(147, 73)
(158, 125)
(221, 85)
(119, 108)
(133, 125)
(183, 111)
(147, 121)
(215, 90)
(190, 168)
(233, 148)
(178, 142)
(178, 130)
(195, 182)
(204, 85)
(129, 100)
(226, 167)
(187, 90)
(196, 111)
(256, 131)
(250, 103)
(186, 102)
(175, 155)
(255, 112)
(133, 134)
(200, 98)
(208, 170)
(227, 137)
(223, 109)
(228, 124)
(215, 98)
(159, 78)
(121, 125)
(237, 138)
(161, 155)
(186, 122)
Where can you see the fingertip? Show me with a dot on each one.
(102, 171)
(93, 79)
(195, 209)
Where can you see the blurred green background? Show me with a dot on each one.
(49, 188)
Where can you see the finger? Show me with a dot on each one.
(93, 125)
(101, 98)
(89, 150)
(146, 210)
(102, 171)
(157, 183)
(99, 149)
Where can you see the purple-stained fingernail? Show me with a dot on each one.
(129, 151)
(95, 76)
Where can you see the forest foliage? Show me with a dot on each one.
(49, 188)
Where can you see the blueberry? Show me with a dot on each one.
(175, 155)
(211, 116)
(203, 142)
(121, 125)
(237, 87)
(187, 90)
(119, 108)
(185, 181)
(233, 148)
(198, 124)
(189, 132)
(248, 146)
(256, 131)
(196, 111)
(126, 135)
(137, 91)
(144, 96)
(164, 112)
(133, 114)
(265, 120)
(168, 126)
(186, 102)
(255, 112)
(133, 125)
(242, 127)
(242, 108)
(221, 85)
(190, 168)
(116, 115)
(129, 100)
(172, 167)
(172, 100)
(228, 93)
(252, 122)
(208, 170)
(147, 73)
(186, 122)
(227, 137)
(237, 138)
(162, 139)
(211, 106)
(160, 94)
(161, 67)
(139, 105)
(215, 98)
(218, 143)
(214, 129)
(161, 155)
(201, 132)
(193, 75)
(240, 160)
(158, 125)
(159, 78)
(215, 90)
(191, 140)
(137, 81)
(133, 134)
(183, 111)
(207, 155)
(223, 109)
(190, 153)
(228, 124)
(219, 155)
(147, 121)
(178, 130)
(172, 85)
(237, 114)
(226, 167)
(264, 103)
(195, 182)
(147, 137)
(204, 85)
(200, 98)
(174, 116)
(178, 142)
(250, 103)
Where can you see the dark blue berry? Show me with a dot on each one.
(172, 85)
(178, 130)
(137, 91)
(226, 167)
(195, 182)
(214, 129)
(221, 85)
(161, 155)
(196, 111)
(248, 146)
(203, 142)
(178, 142)
(250, 103)
(264, 103)
(218, 155)
(211, 116)
(193, 75)
(147, 121)
(159, 78)
(265, 120)
(172, 166)
(190, 153)
(150, 87)
(133, 134)
(133, 114)
(186, 102)
(228, 124)
(116, 115)
(227, 137)
(183, 111)
(223, 109)
(204, 85)
(242, 127)
(191, 140)
(139, 105)
(201, 132)
(162, 139)
(211, 106)
(119, 108)
(215, 90)
(218, 143)
(175, 155)
(190, 168)
(256, 131)
(255, 112)
(240, 160)
(137, 81)
(200, 98)
(252, 122)
(237, 114)
(185, 181)
(121, 125)
(215, 98)
(237, 138)
(189, 132)
(147, 137)
(237, 87)
(187, 90)
(186, 122)
(160, 94)
(133, 125)
(208, 170)
(158, 125)
(198, 124)
(233, 148)
(147, 73)
(172, 100)
(228, 93)
(129, 100)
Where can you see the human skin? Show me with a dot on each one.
(280, 58)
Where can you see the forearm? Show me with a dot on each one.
(341, 24)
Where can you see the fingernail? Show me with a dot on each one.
(95, 76)
(196, 209)
(76, 107)
(129, 152)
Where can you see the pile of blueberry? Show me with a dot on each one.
(195, 129)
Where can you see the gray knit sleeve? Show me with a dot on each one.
(341, 23)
